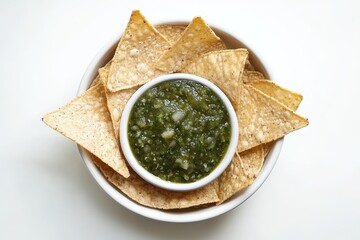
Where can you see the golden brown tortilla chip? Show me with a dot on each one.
(139, 47)
(232, 180)
(197, 39)
(241, 172)
(252, 160)
(116, 101)
(286, 97)
(290, 99)
(224, 68)
(262, 119)
(148, 195)
(171, 32)
(86, 121)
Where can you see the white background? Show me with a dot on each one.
(311, 47)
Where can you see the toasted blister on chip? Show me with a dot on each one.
(148, 195)
(224, 68)
(263, 119)
(232, 180)
(290, 99)
(139, 47)
(198, 38)
(86, 121)
(116, 101)
(171, 32)
(252, 75)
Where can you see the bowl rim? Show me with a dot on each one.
(186, 215)
(141, 171)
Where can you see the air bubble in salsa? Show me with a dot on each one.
(179, 130)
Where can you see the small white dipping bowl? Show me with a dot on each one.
(155, 180)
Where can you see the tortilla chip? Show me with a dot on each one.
(241, 172)
(252, 75)
(224, 68)
(286, 97)
(252, 160)
(232, 180)
(139, 47)
(171, 32)
(116, 101)
(197, 39)
(290, 99)
(262, 119)
(148, 195)
(86, 121)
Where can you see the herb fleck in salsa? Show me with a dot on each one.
(179, 130)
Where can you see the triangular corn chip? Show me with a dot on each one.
(252, 160)
(148, 195)
(224, 68)
(86, 121)
(262, 119)
(139, 47)
(197, 39)
(286, 97)
(241, 172)
(232, 180)
(116, 101)
(290, 99)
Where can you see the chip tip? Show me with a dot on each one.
(136, 11)
(126, 174)
(197, 20)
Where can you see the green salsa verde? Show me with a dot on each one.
(179, 130)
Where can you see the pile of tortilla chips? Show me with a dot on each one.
(265, 111)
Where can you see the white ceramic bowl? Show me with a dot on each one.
(192, 214)
(134, 163)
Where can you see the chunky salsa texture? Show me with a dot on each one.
(179, 130)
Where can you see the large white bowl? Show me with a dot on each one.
(186, 215)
